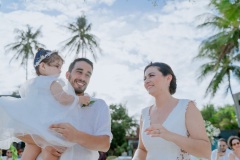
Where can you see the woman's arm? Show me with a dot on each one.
(140, 153)
(197, 143)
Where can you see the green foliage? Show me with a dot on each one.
(15, 94)
(122, 125)
(111, 157)
(222, 117)
(226, 22)
(221, 49)
(208, 113)
(0, 154)
(222, 71)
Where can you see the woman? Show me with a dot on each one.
(172, 128)
(234, 144)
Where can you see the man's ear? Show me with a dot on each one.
(67, 74)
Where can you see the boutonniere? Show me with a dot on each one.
(91, 102)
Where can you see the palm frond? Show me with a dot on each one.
(23, 46)
(215, 83)
(82, 40)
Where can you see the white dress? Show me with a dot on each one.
(160, 149)
(34, 113)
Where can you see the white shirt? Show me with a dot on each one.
(95, 120)
(5, 158)
(225, 157)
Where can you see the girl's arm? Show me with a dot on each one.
(140, 153)
(64, 98)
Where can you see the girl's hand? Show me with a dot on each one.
(84, 100)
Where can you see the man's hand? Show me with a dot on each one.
(92, 142)
(66, 130)
(220, 153)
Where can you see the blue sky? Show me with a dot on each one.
(132, 33)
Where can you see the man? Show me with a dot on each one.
(94, 133)
(222, 151)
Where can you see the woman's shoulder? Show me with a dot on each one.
(146, 109)
(187, 103)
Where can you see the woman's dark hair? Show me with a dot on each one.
(230, 139)
(165, 70)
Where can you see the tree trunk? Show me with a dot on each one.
(27, 69)
(229, 84)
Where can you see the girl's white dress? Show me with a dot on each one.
(160, 149)
(34, 112)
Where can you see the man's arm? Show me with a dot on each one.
(101, 139)
(97, 143)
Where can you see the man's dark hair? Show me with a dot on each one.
(222, 140)
(70, 68)
(165, 70)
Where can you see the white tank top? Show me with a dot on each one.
(160, 149)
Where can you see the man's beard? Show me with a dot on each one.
(78, 91)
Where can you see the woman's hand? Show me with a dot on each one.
(231, 156)
(157, 130)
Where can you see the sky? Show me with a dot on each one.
(131, 34)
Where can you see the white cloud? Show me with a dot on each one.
(129, 42)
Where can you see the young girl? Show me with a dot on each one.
(43, 102)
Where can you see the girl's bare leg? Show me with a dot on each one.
(31, 152)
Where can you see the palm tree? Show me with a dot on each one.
(82, 40)
(26, 42)
(226, 69)
(227, 23)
